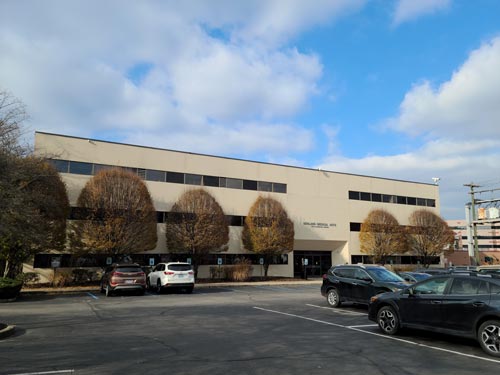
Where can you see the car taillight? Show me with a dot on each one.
(169, 273)
(116, 274)
(191, 272)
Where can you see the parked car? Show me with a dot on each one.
(171, 275)
(456, 304)
(413, 277)
(494, 269)
(123, 277)
(357, 283)
(433, 271)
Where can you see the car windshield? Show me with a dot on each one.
(381, 274)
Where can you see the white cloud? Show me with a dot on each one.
(70, 61)
(466, 106)
(459, 121)
(408, 10)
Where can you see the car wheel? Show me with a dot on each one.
(148, 284)
(333, 298)
(388, 320)
(108, 291)
(189, 290)
(489, 337)
(141, 292)
(158, 287)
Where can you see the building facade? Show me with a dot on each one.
(488, 241)
(327, 208)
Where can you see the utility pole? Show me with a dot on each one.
(474, 221)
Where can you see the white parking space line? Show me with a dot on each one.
(337, 311)
(47, 372)
(92, 295)
(363, 325)
(354, 328)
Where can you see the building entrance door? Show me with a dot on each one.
(316, 263)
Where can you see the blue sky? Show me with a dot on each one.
(404, 89)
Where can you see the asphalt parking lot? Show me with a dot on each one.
(226, 330)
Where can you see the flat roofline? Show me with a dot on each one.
(229, 158)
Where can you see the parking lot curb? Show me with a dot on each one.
(6, 330)
(95, 289)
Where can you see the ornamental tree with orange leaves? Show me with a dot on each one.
(268, 231)
(381, 236)
(117, 216)
(196, 225)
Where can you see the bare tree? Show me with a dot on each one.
(12, 115)
(197, 226)
(33, 200)
(381, 236)
(117, 215)
(429, 235)
(268, 231)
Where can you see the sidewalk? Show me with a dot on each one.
(95, 288)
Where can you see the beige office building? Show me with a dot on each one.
(326, 207)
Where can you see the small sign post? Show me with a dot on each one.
(55, 263)
(261, 262)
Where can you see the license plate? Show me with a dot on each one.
(129, 281)
(180, 276)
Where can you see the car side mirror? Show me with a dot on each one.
(367, 279)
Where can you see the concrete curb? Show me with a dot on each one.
(6, 330)
(83, 289)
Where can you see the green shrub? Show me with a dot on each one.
(9, 288)
(5, 282)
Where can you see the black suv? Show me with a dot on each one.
(357, 283)
(456, 304)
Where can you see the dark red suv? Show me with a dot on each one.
(123, 277)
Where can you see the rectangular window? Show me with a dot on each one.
(264, 186)
(421, 202)
(355, 227)
(235, 221)
(376, 197)
(160, 216)
(354, 195)
(400, 199)
(141, 172)
(388, 198)
(210, 181)
(279, 188)
(412, 201)
(77, 167)
(234, 183)
(431, 203)
(249, 185)
(154, 175)
(60, 165)
(366, 196)
(101, 167)
(175, 177)
(192, 179)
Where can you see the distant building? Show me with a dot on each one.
(327, 208)
(488, 239)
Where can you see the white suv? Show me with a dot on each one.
(171, 275)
